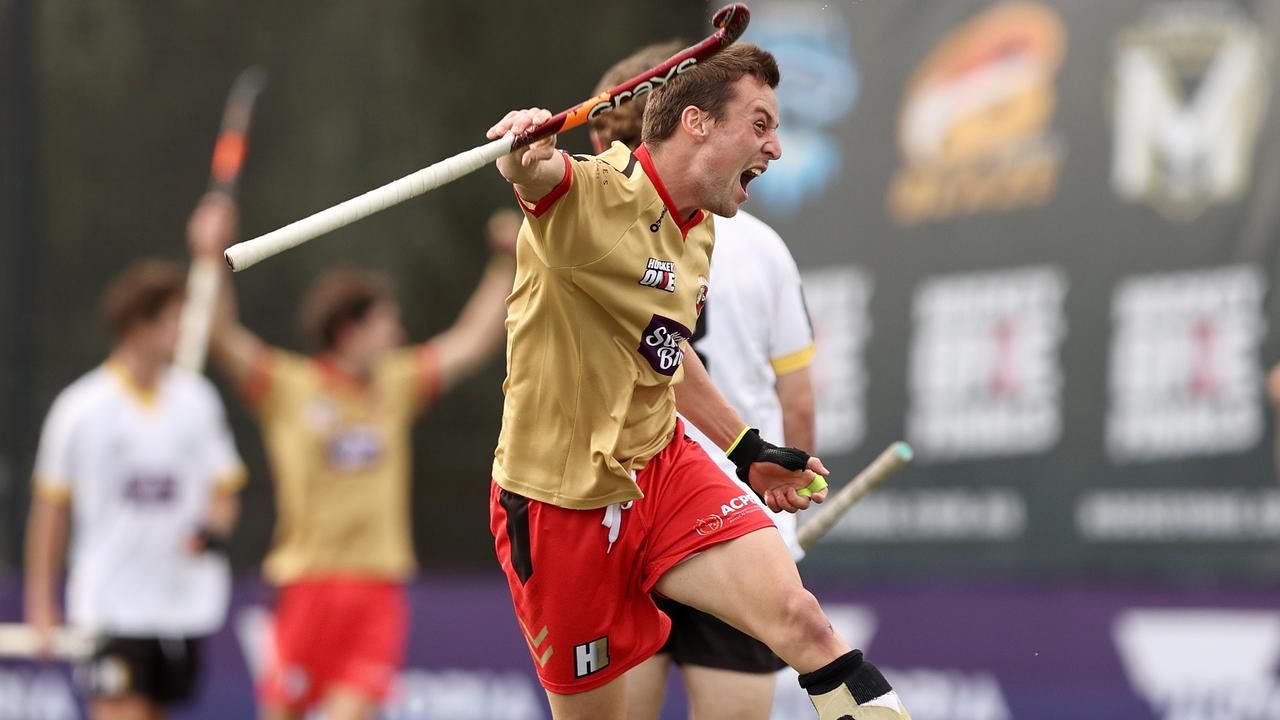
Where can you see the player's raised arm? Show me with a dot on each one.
(478, 330)
(212, 227)
(534, 170)
(775, 473)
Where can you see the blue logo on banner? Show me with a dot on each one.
(812, 43)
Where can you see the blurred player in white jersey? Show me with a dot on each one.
(756, 342)
(137, 465)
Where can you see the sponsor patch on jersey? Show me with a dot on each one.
(147, 489)
(355, 449)
(703, 286)
(660, 344)
(660, 274)
(591, 657)
(707, 525)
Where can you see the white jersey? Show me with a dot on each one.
(754, 327)
(139, 469)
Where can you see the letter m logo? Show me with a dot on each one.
(591, 657)
(1185, 128)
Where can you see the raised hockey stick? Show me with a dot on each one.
(731, 20)
(228, 158)
(890, 461)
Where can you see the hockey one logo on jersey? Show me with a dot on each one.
(591, 657)
(1190, 95)
(660, 274)
(660, 344)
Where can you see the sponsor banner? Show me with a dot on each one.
(812, 41)
(1191, 88)
(1185, 377)
(985, 378)
(838, 299)
(976, 126)
(954, 652)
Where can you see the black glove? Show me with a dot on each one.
(750, 449)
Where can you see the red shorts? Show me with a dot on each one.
(582, 601)
(335, 632)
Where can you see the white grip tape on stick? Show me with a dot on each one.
(197, 314)
(251, 252)
(23, 642)
(890, 461)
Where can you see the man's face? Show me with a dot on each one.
(378, 331)
(160, 336)
(740, 146)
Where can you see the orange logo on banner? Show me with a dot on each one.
(974, 127)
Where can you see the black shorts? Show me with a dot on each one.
(162, 670)
(701, 639)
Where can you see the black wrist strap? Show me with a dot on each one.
(746, 450)
(213, 541)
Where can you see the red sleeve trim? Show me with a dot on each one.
(430, 381)
(539, 208)
(258, 380)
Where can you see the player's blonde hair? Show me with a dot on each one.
(708, 86)
(139, 293)
(623, 123)
(341, 296)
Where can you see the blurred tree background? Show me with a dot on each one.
(110, 115)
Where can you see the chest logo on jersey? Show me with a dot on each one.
(149, 489)
(355, 449)
(703, 286)
(660, 344)
(657, 224)
(660, 274)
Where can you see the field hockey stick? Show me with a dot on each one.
(731, 20)
(224, 177)
(890, 461)
(22, 642)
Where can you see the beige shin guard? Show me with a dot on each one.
(840, 705)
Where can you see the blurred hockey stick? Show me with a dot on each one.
(890, 461)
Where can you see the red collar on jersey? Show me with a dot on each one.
(337, 377)
(646, 162)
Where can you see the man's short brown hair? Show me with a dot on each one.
(707, 85)
(341, 296)
(140, 293)
(623, 123)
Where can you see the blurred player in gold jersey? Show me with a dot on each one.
(337, 430)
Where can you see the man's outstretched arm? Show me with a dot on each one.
(479, 329)
(699, 401)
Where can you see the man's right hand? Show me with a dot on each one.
(43, 620)
(535, 169)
